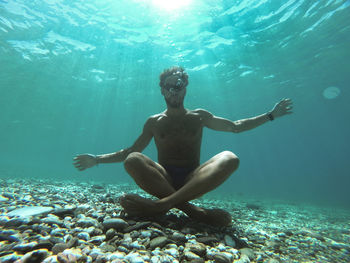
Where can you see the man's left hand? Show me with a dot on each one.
(282, 108)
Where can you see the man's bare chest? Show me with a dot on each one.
(178, 129)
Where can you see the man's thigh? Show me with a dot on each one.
(149, 163)
(214, 163)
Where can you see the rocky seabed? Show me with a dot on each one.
(48, 221)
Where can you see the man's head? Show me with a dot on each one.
(173, 82)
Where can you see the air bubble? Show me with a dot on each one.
(331, 92)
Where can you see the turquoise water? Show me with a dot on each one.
(82, 77)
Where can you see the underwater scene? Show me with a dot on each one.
(174, 131)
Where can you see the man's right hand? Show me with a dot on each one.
(84, 161)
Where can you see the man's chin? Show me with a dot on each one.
(176, 104)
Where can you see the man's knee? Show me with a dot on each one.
(230, 161)
(134, 160)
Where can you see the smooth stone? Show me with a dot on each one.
(199, 248)
(3, 199)
(97, 240)
(229, 241)
(59, 247)
(72, 255)
(30, 211)
(207, 240)
(35, 256)
(172, 251)
(134, 258)
(110, 233)
(243, 259)
(191, 256)
(116, 223)
(9, 258)
(63, 212)
(137, 226)
(116, 255)
(83, 235)
(72, 242)
(24, 247)
(158, 242)
(248, 252)
(43, 244)
(15, 222)
(50, 220)
(146, 233)
(9, 238)
(87, 222)
(51, 259)
(221, 258)
(177, 236)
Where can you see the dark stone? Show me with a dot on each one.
(179, 237)
(199, 249)
(110, 233)
(73, 242)
(137, 226)
(248, 252)
(10, 238)
(219, 258)
(24, 248)
(55, 240)
(253, 206)
(35, 256)
(116, 223)
(239, 242)
(199, 260)
(59, 247)
(63, 212)
(207, 240)
(14, 222)
(47, 245)
(158, 242)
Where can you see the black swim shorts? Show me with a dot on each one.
(178, 175)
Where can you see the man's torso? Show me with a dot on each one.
(178, 139)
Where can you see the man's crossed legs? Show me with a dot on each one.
(155, 180)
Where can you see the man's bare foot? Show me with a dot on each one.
(135, 205)
(214, 217)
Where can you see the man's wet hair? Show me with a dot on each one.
(172, 71)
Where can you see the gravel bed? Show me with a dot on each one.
(66, 221)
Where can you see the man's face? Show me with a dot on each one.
(174, 90)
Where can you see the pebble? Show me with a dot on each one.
(59, 247)
(199, 248)
(35, 256)
(30, 211)
(116, 223)
(158, 242)
(110, 233)
(229, 241)
(221, 258)
(248, 252)
(83, 235)
(3, 199)
(87, 222)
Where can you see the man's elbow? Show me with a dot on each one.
(236, 127)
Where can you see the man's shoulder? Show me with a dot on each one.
(154, 118)
(202, 112)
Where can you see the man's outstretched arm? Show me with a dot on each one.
(84, 161)
(220, 124)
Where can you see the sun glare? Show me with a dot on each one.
(170, 5)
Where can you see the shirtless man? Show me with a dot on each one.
(178, 177)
